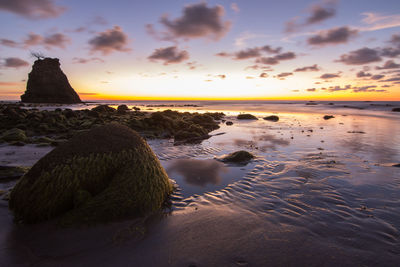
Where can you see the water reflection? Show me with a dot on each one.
(199, 176)
(198, 172)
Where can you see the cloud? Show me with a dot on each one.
(327, 76)
(235, 8)
(33, 39)
(285, 56)
(333, 36)
(88, 93)
(197, 21)
(248, 53)
(8, 84)
(56, 39)
(110, 41)
(361, 56)
(193, 65)
(32, 9)
(267, 60)
(356, 89)
(170, 55)
(390, 64)
(263, 75)
(308, 68)
(377, 76)
(394, 79)
(14, 62)
(53, 40)
(9, 43)
(77, 60)
(311, 90)
(284, 74)
(222, 76)
(394, 49)
(275, 59)
(377, 21)
(317, 13)
(320, 13)
(362, 74)
(255, 52)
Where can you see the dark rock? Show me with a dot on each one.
(48, 84)
(122, 109)
(396, 109)
(229, 123)
(396, 165)
(237, 157)
(246, 117)
(105, 174)
(103, 109)
(327, 117)
(15, 134)
(272, 118)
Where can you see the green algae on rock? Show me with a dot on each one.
(105, 174)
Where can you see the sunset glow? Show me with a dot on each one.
(159, 50)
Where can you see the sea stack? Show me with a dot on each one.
(48, 84)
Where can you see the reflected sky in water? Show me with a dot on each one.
(199, 176)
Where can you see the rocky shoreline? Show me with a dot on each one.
(21, 124)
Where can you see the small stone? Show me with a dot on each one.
(272, 118)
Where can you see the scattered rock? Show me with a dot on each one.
(229, 123)
(272, 118)
(103, 109)
(327, 117)
(241, 156)
(16, 135)
(105, 174)
(122, 109)
(246, 117)
(48, 84)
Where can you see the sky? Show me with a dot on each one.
(242, 49)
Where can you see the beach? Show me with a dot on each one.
(319, 192)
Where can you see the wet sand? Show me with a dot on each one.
(319, 193)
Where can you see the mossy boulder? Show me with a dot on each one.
(13, 135)
(246, 117)
(240, 157)
(272, 118)
(105, 174)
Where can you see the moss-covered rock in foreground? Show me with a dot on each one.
(104, 174)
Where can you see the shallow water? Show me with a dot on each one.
(320, 192)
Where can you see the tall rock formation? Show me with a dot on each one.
(48, 84)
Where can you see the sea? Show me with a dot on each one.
(320, 192)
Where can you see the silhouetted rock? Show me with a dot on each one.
(48, 84)
(246, 117)
(241, 156)
(396, 109)
(327, 117)
(105, 174)
(272, 118)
